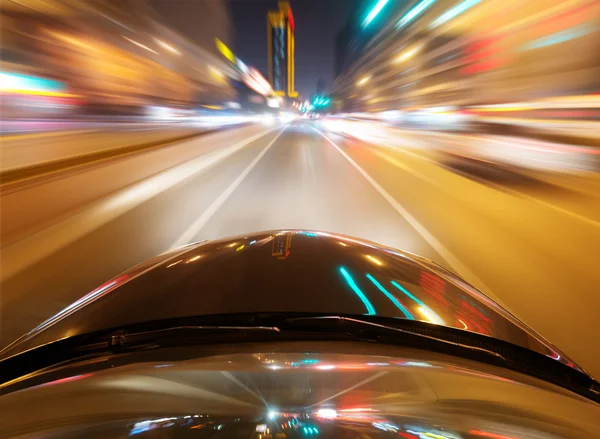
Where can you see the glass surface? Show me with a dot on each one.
(321, 135)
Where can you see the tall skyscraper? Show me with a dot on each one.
(280, 40)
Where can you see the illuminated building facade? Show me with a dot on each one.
(466, 53)
(109, 57)
(280, 41)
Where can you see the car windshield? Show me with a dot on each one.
(253, 276)
(320, 135)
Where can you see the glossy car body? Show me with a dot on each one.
(302, 333)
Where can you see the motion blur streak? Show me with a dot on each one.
(450, 259)
(534, 69)
(395, 301)
(488, 434)
(195, 228)
(424, 309)
(348, 278)
(465, 131)
(19, 256)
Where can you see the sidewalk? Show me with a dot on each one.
(25, 159)
(28, 208)
(27, 150)
(9, 127)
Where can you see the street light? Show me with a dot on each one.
(139, 45)
(376, 10)
(167, 46)
(414, 12)
(451, 13)
(407, 55)
(363, 81)
(217, 74)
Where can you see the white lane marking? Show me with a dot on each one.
(452, 260)
(26, 252)
(408, 169)
(201, 221)
(502, 188)
(499, 187)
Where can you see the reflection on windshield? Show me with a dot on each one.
(306, 394)
(229, 277)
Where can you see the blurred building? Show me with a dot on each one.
(340, 52)
(199, 21)
(280, 45)
(110, 56)
(352, 37)
(422, 53)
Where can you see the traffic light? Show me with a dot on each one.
(321, 101)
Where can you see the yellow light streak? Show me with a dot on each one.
(364, 80)
(374, 260)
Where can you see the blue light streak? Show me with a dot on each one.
(559, 37)
(14, 81)
(453, 12)
(405, 291)
(358, 292)
(413, 13)
(376, 10)
(391, 297)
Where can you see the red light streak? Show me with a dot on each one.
(105, 286)
(490, 435)
(564, 20)
(483, 54)
(66, 380)
(432, 284)
(291, 19)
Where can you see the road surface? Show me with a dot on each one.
(528, 239)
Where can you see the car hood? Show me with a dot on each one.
(287, 271)
(335, 390)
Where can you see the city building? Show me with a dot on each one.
(465, 53)
(109, 57)
(280, 45)
(353, 36)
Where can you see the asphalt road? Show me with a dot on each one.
(528, 239)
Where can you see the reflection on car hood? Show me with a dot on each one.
(288, 271)
(278, 390)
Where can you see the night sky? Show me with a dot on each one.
(317, 23)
